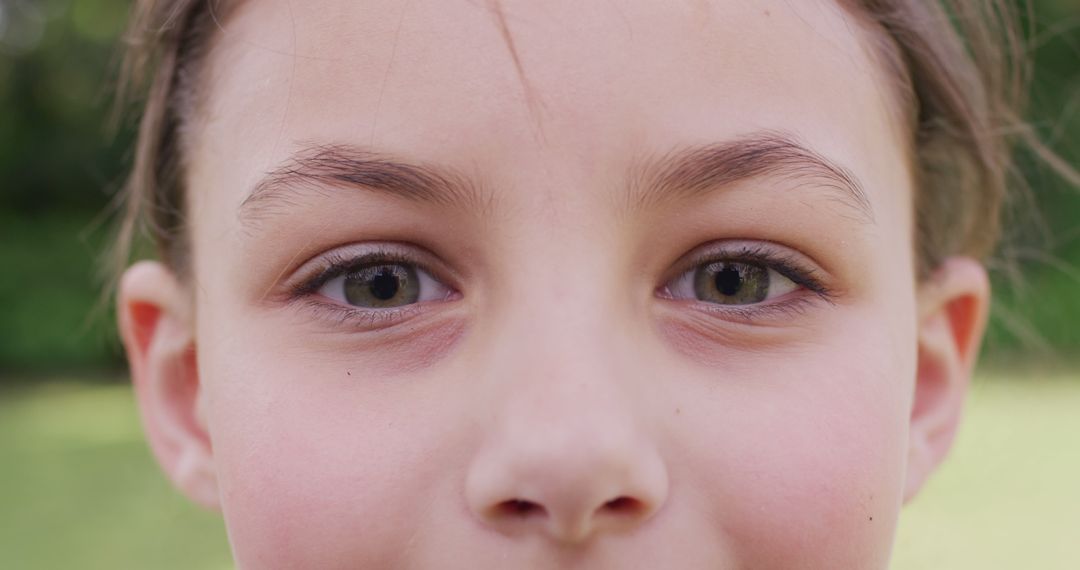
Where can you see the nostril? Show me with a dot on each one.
(623, 505)
(520, 508)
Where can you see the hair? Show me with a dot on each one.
(959, 69)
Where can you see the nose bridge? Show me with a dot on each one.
(565, 295)
(564, 350)
(567, 453)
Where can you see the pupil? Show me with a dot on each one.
(384, 285)
(728, 280)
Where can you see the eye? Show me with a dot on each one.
(731, 283)
(384, 286)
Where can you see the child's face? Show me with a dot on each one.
(647, 298)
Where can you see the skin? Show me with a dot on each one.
(554, 407)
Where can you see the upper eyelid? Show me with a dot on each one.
(738, 250)
(757, 251)
(331, 264)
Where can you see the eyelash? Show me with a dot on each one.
(338, 263)
(784, 264)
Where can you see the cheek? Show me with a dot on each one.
(319, 468)
(330, 446)
(794, 452)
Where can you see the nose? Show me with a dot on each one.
(568, 484)
(565, 455)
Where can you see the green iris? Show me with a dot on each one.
(731, 283)
(382, 286)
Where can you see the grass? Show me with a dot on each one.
(1009, 495)
(78, 488)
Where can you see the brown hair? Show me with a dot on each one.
(959, 68)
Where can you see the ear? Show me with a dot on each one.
(953, 306)
(158, 335)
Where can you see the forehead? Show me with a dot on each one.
(512, 88)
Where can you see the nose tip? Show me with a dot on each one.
(567, 525)
(566, 500)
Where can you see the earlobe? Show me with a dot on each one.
(953, 307)
(157, 330)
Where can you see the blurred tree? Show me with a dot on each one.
(58, 170)
(54, 89)
(1039, 313)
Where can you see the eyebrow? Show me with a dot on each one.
(323, 167)
(691, 172)
(686, 173)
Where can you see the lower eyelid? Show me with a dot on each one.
(361, 319)
(364, 319)
(791, 307)
(770, 313)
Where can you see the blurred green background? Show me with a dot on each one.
(79, 489)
